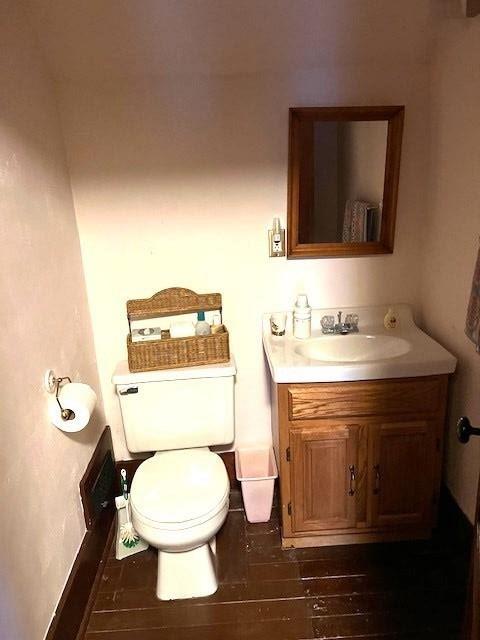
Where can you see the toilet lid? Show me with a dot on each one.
(177, 486)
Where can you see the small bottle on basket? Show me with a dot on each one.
(202, 328)
(217, 326)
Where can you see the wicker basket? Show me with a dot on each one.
(172, 353)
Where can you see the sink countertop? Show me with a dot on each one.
(425, 357)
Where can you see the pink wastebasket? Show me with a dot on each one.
(256, 470)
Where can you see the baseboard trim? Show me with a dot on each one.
(75, 603)
(107, 541)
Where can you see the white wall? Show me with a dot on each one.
(175, 182)
(45, 323)
(175, 119)
(452, 230)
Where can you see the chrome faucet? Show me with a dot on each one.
(342, 328)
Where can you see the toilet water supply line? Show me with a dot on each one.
(128, 535)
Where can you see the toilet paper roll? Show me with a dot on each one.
(79, 398)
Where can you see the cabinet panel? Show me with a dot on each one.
(366, 398)
(402, 473)
(323, 477)
(390, 431)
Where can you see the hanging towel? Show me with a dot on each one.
(355, 221)
(472, 324)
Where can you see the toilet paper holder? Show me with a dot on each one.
(52, 384)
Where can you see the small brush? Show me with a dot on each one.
(128, 535)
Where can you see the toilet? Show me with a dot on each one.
(179, 497)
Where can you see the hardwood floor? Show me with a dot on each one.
(400, 591)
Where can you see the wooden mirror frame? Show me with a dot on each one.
(394, 116)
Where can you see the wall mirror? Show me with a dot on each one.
(343, 170)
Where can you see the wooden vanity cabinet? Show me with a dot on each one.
(359, 461)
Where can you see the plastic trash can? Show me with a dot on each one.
(256, 470)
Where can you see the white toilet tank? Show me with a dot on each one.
(176, 408)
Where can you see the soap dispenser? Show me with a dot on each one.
(302, 317)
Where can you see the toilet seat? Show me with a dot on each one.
(177, 490)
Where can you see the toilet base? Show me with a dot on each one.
(187, 574)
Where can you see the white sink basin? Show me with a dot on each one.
(372, 354)
(353, 348)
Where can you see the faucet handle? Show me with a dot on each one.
(339, 316)
(352, 319)
(327, 323)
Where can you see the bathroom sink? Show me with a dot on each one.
(375, 352)
(353, 348)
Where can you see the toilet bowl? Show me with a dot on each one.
(179, 500)
(179, 497)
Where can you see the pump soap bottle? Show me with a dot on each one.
(302, 317)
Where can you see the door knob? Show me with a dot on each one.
(465, 430)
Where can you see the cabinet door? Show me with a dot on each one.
(402, 464)
(323, 477)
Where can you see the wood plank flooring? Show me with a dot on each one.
(400, 591)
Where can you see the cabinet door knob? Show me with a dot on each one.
(351, 491)
(376, 488)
